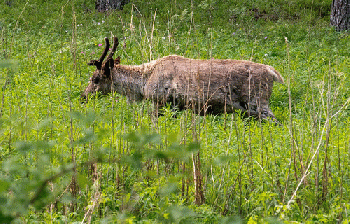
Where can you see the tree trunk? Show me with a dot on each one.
(105, 5)
(340, 14)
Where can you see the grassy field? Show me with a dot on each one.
(109, 160)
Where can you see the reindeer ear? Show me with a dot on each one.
(117, 61)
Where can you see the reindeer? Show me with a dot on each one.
(206, 86)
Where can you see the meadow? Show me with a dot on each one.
(112, 161)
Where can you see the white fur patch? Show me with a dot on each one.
(277, 77)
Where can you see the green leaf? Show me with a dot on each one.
(169, 188)
(24, 147)
(88, 137)
(5, 218)
(193, 147)
(223, 159)
(4, 186)
(232, 219)
(82, 180)
(8, 64)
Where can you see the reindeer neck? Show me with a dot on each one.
(130, 80)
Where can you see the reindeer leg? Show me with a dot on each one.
(268, 115)
(261, 111)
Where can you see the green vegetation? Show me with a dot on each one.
(112, 161)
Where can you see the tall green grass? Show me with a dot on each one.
(109, 160)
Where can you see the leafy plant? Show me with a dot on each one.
(109, 160)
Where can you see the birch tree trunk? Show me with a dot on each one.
(105, 5)
(340, 14)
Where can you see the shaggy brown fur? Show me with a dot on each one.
(207, 86)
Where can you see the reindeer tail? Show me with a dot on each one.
(277, 77)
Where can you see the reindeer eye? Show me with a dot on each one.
(96, 80)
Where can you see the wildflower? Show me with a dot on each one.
(265, 38)
(100, 45)
(234, 33)
(98, 23)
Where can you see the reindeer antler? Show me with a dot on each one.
(115, 45)
(98, 63)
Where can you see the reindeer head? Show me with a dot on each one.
(101, 80)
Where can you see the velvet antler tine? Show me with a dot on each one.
(98, 63)
(93, 62)
(114, 48)
(105, 51)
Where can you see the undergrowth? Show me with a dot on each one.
(109, 160)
